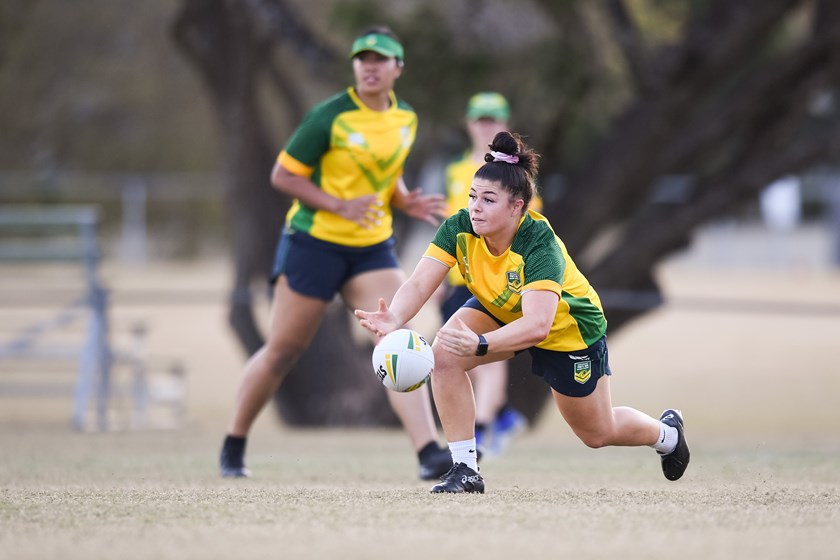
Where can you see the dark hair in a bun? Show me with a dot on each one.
(512, 164)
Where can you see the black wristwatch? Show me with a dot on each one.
(481, 349)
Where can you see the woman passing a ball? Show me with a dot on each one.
(527, 294)
(343, 166)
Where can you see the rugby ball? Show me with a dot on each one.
(403, 360)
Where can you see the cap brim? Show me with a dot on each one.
(378, 43)
(383, 52)
(500, 116)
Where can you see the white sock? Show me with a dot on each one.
(464, 452)
(667, 441)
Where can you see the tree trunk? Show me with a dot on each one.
(332, 384)
(219, 38)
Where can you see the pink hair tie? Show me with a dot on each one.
(501, 156)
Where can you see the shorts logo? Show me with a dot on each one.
(514, 282)
(583, 371)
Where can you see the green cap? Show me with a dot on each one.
(489, 105)
(379, 43)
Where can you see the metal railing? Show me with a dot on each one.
(67, 234)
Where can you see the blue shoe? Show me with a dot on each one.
(481, 440)
(508, 423)
(481, 437)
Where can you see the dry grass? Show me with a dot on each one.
(353, 495)
(758, 389)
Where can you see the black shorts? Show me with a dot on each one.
(319, 268)
(573, 374)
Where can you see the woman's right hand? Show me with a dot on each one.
(364, 210)
(379, 322)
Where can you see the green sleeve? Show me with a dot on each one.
(447, 233)
(544, 259)
(311, 140)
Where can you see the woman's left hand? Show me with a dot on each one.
(430, 208)
(457, 338)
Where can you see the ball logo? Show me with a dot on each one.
(414, 341)
(391, 365)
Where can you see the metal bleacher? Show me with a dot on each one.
(70, 329)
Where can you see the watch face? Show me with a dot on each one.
(482, 346)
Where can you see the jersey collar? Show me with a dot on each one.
(358, 101)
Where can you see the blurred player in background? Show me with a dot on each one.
(343, 166)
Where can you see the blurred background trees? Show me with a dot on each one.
(653, 117)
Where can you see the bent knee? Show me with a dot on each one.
(446, 362)
(594, 440)
(280, 358)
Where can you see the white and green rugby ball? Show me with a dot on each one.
(403, 360)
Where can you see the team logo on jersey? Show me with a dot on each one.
(356, 139)
(405, 135)
(583, 371)
(514, 282)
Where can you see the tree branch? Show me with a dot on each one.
(632, 45)
(761, 97)
(284, 24)
(624, 167)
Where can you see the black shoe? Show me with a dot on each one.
(460, 479)
(232, 458)
(435, 462)
(675, 462)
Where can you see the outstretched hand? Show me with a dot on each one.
(430, 208)
(379, 322)
(457, 338)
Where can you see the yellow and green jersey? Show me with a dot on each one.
(459, 176)
(536, 260)
(349, 150)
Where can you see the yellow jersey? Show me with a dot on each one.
(349, 150)
(536, 260)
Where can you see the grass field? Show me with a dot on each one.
(352, 495)
(758, 388)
